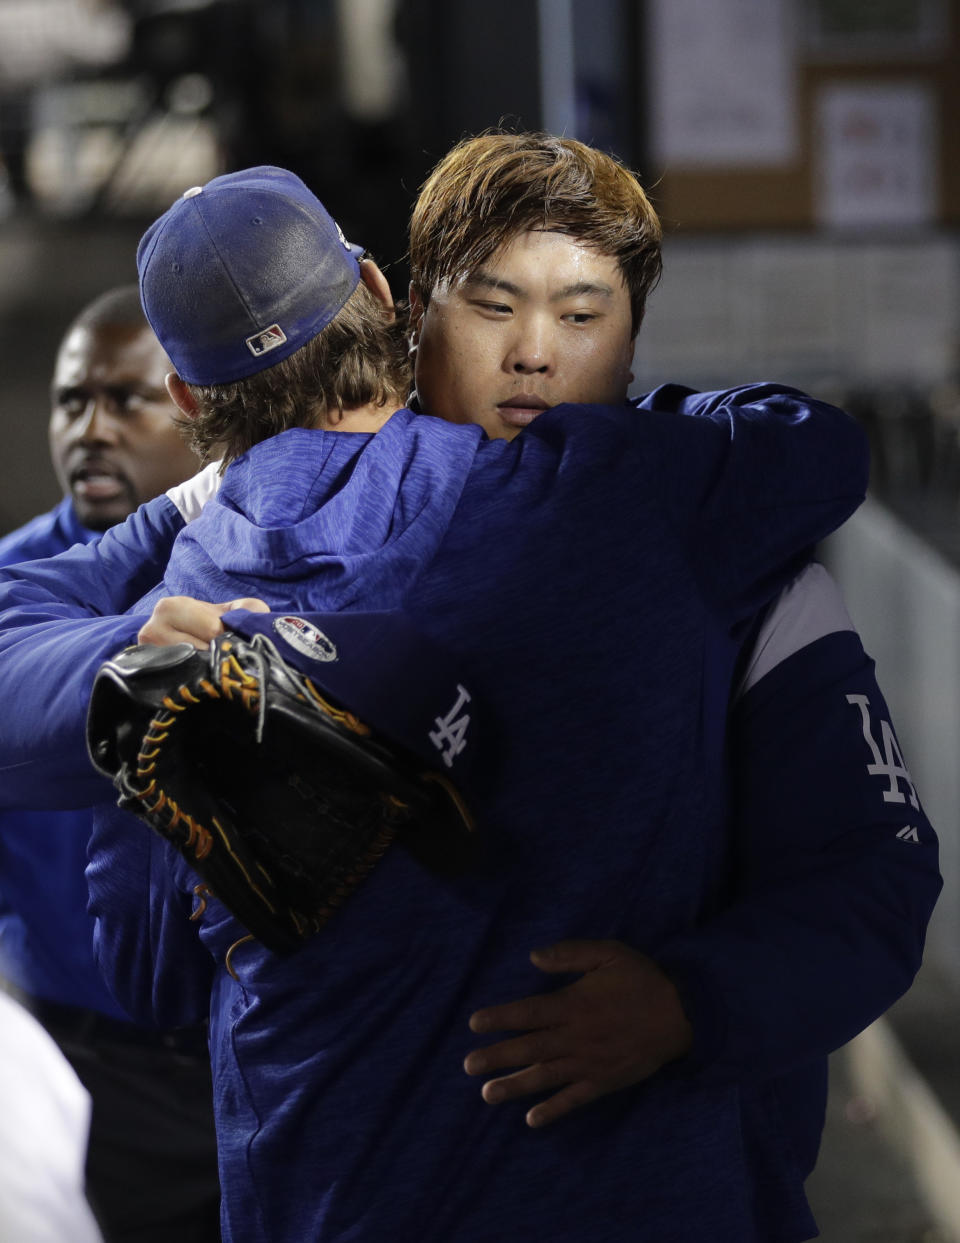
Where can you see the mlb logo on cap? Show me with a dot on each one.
(263, 342)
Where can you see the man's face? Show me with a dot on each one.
(546, 320)
(113, 441)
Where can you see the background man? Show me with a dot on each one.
(152, 1162)
(113, 441)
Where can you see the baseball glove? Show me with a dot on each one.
(279, 799)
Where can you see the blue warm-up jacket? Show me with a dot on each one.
(597, 578)
(46, 933)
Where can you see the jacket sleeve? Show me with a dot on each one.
(753, 477)
(58, 623)
(835, 860)
(147, 949)
(99, 579)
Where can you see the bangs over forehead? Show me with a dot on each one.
(491, 188)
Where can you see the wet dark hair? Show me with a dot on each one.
(490, 188)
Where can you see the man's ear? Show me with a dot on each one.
(376, 282)
(180, 395)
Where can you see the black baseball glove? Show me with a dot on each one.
(280, 800)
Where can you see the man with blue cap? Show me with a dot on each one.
(597, 579)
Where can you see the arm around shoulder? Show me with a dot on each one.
(755, 476)
(60, 618)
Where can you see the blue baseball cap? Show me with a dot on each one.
(241, 272)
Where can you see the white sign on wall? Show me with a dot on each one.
(722, 90)
(876, 154)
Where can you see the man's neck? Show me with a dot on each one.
(368, 418)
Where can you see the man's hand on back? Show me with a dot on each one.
(613, 1027)
(182, 619)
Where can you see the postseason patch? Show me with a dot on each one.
(305, 638)
(265, 341)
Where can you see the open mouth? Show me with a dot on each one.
(97, 481)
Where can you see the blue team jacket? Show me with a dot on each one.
(596, 577)
(46, 934)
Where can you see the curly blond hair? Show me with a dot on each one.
(359, 358)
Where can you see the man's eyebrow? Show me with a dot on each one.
(486, 280)
(581, 289)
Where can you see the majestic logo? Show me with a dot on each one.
(909, 834)
(450, 736)
(264, 342)
(305, 638)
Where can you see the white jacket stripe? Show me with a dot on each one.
(806, 610)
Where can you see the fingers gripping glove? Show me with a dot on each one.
(281, 800)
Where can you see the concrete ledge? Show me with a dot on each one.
(904, 598)
(911, 1119)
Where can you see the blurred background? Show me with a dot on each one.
(805, 158)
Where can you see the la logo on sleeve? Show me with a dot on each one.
(450, 735)
(890, 764)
